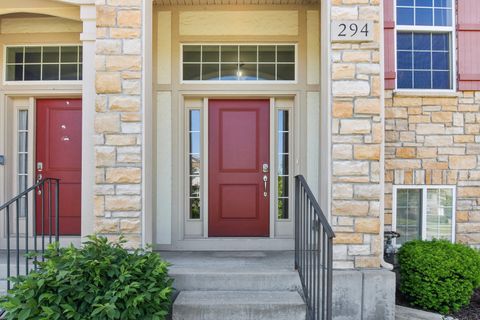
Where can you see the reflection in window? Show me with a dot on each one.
(238, 62)
(44, 63)
(194, 163)
(282, 163)
(22, 170)
(409, 212)
(424, 12)
(425, 213)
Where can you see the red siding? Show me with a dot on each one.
(389, 43)
(468, 44)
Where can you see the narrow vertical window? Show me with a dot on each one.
(282, 163)
(409, 214)
(439, 214)
(22, 147)
(194, 160)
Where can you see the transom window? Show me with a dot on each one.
(424, 44)
(238, 62)
(422, 212)
(43, 63)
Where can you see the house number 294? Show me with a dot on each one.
(352, 31)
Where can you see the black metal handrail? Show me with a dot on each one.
(313, 252)
(45, 196)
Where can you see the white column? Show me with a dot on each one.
(88, 36)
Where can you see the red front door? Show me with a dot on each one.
(59, 155)
(238, 141)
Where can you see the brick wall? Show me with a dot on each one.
(118, 127)
(436, 140)
(357, 135)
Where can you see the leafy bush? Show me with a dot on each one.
(438, 275)
(101, 280)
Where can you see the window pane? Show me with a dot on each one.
(440, 41)
(229, 53)
(228, 71)
(195, 142)
(422, 60)
(210, 53)
(210, 71)
(283, 186)
(422, 80)
(50, 72)
(69, 54)
(191, 72)
(285, 72)
(405, 79)
(408, 211)
(194, 163)
(248, 72)
(422, 41)
(283, 142)
(33, 54)
(283, 208)
(248, 53)
(266, 72)
(285, 53)
(443, 17)
(194, 208)
(439, 214)
(423, 17)
(404, 60)
(191, 54)
(51, 54)
(404, 41)
(68, 72)
(283, 177)
(15, 55)
(405, 16)
(440, 61)
(32, 72)
(266, 53)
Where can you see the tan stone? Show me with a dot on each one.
(104, 156)
(98, 206)
(367, 191)
(124, 33)
(348, 238)
(463, 138)
(124, 175)
(406, 153)
(123, 203)
(131, 117)
(356, 56)
(355, 126)
(350, 208)
(367, 262)
(122, 63)
(462, 162)
(402, 164)
(108, 82)
(105, 16)
(407, 102)
(106, 225)
(442, 117)
(350, 168)
(418, 118)
(343, 71)
(125, 103)
(396, 113)
(107, 122)
(367, 106)
(468, 192)
(130, 226)
(367, 152)
(426, 152)
(342, 152)
(120, 140)
(129, 18)
(342, 109)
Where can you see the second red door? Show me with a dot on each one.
(238, 167)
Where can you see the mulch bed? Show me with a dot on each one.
(472, 311)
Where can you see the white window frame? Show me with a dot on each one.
(238, 81)
(37, 82)
(430, 29)
(424, 189)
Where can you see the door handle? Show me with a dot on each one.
(265, 180)
(39, 178)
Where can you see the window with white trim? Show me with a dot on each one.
(238, 62)
(194, 163)
(425, 33)
(424, 212)
(22, 168)
(43, 63)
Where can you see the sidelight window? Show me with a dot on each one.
(283, 159)
(43, 63)
(194, 162)
(238, 62)
(22, 154)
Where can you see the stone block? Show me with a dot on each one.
(352, 208)
(124, 175)
(350, 168)
(108, 82)
(123, 203)
(352, 88)
(355, 126)
(462, 162)
(129, 18)
(367, 152)
(367, 225)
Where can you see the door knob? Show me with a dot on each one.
(265, 167)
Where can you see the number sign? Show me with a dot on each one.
(352, 31)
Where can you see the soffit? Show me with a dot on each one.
(233, 2)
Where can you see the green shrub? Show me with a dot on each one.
(438, 275)
(101, 280)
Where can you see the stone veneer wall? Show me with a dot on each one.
(357, 135)
(118, 121)
(436, 140)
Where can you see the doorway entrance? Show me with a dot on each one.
(239, 168)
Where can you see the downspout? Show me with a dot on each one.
(383, 263)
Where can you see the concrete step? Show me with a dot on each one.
(235, 280)
(239, 305)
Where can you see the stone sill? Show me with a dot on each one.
(425, 93)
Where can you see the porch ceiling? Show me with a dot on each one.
(233, 2)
